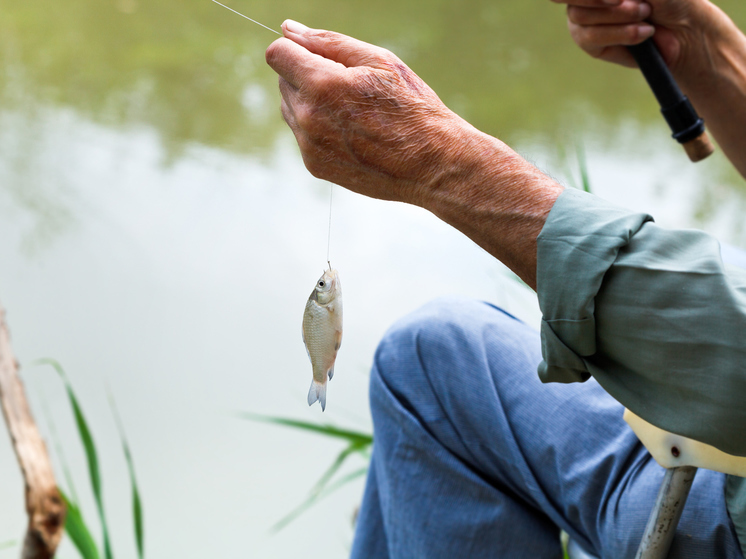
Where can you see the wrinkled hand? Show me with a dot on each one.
(603, 28)
(362, 118)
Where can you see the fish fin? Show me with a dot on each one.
(317, 393)
(331, 372)
(337, 340)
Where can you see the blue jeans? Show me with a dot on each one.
(475, 457)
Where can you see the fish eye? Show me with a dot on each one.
(321, 283)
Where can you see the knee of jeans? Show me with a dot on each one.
(426, 354)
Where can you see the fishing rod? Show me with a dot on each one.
(686, 125)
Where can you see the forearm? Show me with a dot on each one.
(715, 81)
(496, 198)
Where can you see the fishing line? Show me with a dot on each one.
(329, 234)
(331, 186)
(239, 13)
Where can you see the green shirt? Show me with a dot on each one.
(653, 315)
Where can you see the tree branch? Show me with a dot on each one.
(45, 508)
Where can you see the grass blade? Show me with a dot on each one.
(585, 181)
(329, 473)
(564, 158)
(58, 446)
(90, 450)
(583, 164)
(136, 501)
(78, 532)
(353, 437)
(314, 498)
(358, 442)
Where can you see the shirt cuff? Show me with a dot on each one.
(577, 245)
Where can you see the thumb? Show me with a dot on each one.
(337, 47)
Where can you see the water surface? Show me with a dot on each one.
(159, 234)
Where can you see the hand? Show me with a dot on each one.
(362, 118)
(704, 49)
(603, 28)
(365, 121)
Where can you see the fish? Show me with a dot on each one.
(322, 332)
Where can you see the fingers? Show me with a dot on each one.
(594, 39)
(297, 64)
(289, 116)
(304, 56)
(295, 111)
(617, 54)
(603, 31)
(290, 119)
(337, 47)
(590, 3)
(288, 96)
(627, 12)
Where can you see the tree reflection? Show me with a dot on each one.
(188, 68)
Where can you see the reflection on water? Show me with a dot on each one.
(34, 178)
(158, 230)
(187, 68)
(184, 286)
(195, 73)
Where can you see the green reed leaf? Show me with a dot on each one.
(359, 442)
(329, 473)
(137, 516)
(312, 499)
(353, 437)
(58, 446)
(90, 450)
(583, 164)
(78, 531)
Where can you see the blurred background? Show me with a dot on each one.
(159, 236)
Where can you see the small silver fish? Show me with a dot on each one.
(322, 332)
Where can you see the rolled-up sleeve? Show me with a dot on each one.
(652, 314)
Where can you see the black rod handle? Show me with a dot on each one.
(686, 125)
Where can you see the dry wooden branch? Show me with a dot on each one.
(45, 508)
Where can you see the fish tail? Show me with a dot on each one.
(317, 393)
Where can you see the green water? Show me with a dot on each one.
(159, 233)
(195, 72)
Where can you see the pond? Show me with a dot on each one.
(159, 237)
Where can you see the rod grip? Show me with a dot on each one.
(687, 127)
(699, 148)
